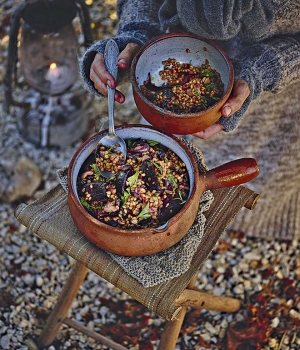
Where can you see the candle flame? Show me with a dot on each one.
(53, 65)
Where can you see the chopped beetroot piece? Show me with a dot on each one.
(141, 147)
(166, 212)
(97, 191)
(138, 148)
(150, 179)
(121, 180)
(161, 151)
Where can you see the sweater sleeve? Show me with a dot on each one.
(267, 66)
(138, 23)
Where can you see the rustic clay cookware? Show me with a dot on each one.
(152, 240)
(185, 48)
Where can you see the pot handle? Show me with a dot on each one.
(233, 173)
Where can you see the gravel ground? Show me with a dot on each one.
(264, 274)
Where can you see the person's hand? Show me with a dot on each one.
(240, 92)
(101, 77)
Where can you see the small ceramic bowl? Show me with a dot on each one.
(185, 48)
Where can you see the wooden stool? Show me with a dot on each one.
(49, 217)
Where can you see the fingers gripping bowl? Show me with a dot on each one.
(187, 80)
(146, 241)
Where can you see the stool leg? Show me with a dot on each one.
(61, 309)
(172, 329)
(171, 332)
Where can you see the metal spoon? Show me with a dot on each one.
(111, 140)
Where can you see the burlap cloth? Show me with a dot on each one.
(49, 217)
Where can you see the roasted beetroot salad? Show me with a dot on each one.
(150, 188)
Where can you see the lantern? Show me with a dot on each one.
(43, 46)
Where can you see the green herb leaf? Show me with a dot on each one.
(180, 197)
(172, 180)
(152, 143)
(130, 143)
(133, 179)
(209, 87)
(157, 166)
(145, 212)
(108, 179)
(125, 196)
(96, 170)
(111, 151)
(196, 92)
(87, 205)
(206, 72)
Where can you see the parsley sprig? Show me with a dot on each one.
(133, 178)
(145, 212)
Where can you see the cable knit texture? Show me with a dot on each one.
(262, 37)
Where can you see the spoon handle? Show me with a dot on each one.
(111, 54)
(110, 99)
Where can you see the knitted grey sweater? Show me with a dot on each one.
(263, 39)
(247, 22)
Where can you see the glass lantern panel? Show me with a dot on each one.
(49, 61)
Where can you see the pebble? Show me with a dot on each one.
(28, 279)
(258, 288)
(239, 289)
(273, 343)
(294, 314)
(211, 329)
(275, 322)
(39, 281)
(206, 337)
(4, 342)
(221, 270)
(218, 290)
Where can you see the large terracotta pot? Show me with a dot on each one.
(152, 240)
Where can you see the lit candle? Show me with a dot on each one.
(53, 72)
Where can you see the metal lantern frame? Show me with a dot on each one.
(21, 11)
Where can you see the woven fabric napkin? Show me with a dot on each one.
(154, 269)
